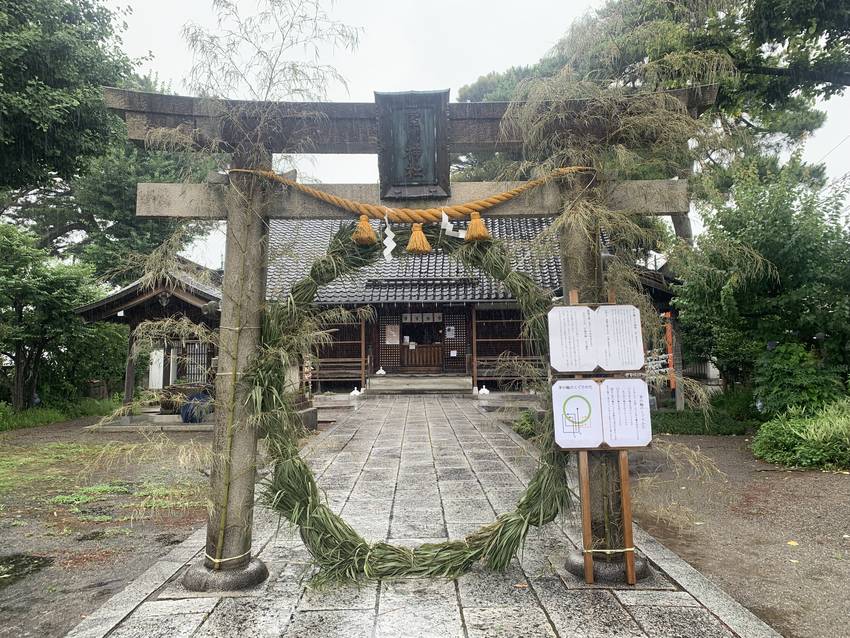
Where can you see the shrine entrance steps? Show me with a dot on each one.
(419, 384)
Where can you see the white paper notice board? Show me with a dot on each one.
(589, 413)
(582, 339)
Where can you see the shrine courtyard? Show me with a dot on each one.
(416, 469)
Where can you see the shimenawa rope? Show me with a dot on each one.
(416, 215)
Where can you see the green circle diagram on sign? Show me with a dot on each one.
(576, 409)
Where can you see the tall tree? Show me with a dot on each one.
(55, 55)
(37, 302)
(92, 217)
(773, 265)
(772, 59)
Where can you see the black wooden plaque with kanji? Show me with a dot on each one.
(413, 154)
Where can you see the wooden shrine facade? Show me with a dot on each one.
(192, 293)
(431, 315)
(466, 339)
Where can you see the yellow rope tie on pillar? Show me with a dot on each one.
(418, 215)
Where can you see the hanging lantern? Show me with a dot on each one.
(418, 244)
(476, 231)
(364, 234)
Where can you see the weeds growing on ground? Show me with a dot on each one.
(90, 493)
(526, 424)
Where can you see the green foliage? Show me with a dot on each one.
(772, 265)
(500, 86)
(738, 403)
(792, 376)
(730, 412)
(526, 424)
(11, 419)
(771, 59)
(90, 493)
(66, 371)
(92, 216)
(798, 439)
(107, 196)
(39, 329)
(55, 55)
(696, 422)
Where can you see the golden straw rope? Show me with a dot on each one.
(418, 215)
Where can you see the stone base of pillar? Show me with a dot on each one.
(605, 571)
(200, 578)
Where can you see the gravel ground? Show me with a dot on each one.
(82, 514)
(777, 540)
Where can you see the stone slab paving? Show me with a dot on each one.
(412, 470)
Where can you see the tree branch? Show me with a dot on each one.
(841, 78)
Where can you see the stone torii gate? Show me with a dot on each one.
(413, 135)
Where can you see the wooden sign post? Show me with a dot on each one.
(596, 406)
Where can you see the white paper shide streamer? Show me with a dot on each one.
(388, 239)
(449, 229)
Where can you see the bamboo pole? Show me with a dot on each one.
(581, 276)
(586, 534)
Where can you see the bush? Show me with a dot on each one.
(732, 412)
(11, 419)
(799, 439)
(526, 424)
(738, 403)
(697, 422)
(792, 376)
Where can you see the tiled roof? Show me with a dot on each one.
(195, 282)
(434, 277)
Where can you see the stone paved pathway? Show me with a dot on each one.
(411, 470)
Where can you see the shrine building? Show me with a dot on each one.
(431, 314)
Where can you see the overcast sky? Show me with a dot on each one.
(413, 45)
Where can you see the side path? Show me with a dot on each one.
(412, 470)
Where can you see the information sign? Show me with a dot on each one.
(589, 413)
(582, 339)
(392, 333)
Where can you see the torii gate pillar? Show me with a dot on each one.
(228, 563)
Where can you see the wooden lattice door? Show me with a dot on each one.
(455, 342)
(389, 330)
